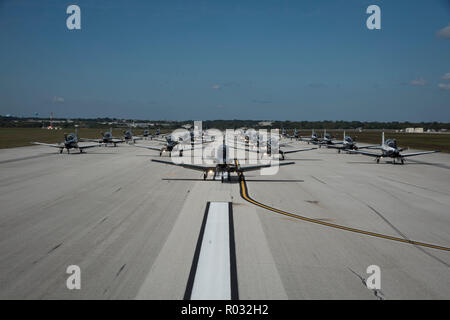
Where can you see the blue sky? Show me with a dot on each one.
(227, 59)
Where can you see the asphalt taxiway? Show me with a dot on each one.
(133, 226)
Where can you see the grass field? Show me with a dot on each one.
(18, 137)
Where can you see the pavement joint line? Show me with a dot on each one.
(245, 196)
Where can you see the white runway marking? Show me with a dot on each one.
(212, 277)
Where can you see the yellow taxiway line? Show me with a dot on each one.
(244, 194)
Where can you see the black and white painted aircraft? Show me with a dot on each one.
(347, 144)
(107, 138)
(314, 139)
(295, 135)
(222, 165)
(169, 146)
(128, 136)
(389, 149)
(272, 144)
(70, 142)
(327, 140)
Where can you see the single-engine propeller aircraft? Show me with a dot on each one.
(314, 139)
(128, 136)
(327, 140)
(222, 165)
(272, 144)
(346, 145)
(170, 144)
(107, 138)
(389, 149)
(70, 142)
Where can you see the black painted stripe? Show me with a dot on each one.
(233, 265)
(190, 282)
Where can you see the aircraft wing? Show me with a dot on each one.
(87, 146)
(298, 150)
(90, 140)
(55, 145)
(187, 166)
(117, 140)
(245, 149)
(369, 147)
(370, 154)
(417, 153)
(147, 147)
(187, 146)
(260, 166)
(335, 147)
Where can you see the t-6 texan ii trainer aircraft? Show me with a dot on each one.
(70, 142)
(107, 138)
(222, 165)
(389, 149)
(170, 145)
(269, 148)
(314, 139)
(347, 144)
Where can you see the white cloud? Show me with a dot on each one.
(444, 86)
(58, 99)
(444, 33)
(418, 82)
(446, 76)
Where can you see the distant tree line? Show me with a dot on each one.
(219, 124)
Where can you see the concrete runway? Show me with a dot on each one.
(132, 225)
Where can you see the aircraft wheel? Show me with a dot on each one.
(403, 161)
(378, 160)
(60, 150)
(204, 176)
(339, 151)
(222, 177)
(160, 153)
